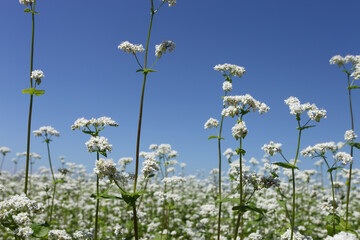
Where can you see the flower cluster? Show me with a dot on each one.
(173, 180)
(26, 2)
(238, 103)
(212, 122)
(131, 48)
(350, 135)
(258, 182)
(59, 235)
(98, 144)
(163, 47)
(171, 2)
(319, 149)
(227, 86)
(37, 74)
(229, 153)
(99, 122)
(297, 108)
(4, 150)
(342, 236)
(344, 157)
(19, 210)
(297, 235)
(149, 166)
(272, 148)
(354, 59)
(239, 130)
(234, 70)
(46, 130)
(105, 167)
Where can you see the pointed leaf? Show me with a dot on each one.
(40, 230)
(353, 87)
(333, 169)
(357, 145)
(286, 165)
(27, 10)
(212, 136)
(12, 226)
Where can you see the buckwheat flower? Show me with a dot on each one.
(163, 47)
(241, 102)
(356, 73)
(263, 108)
(212, 122)
(46, 131)
(26, 2)
(173, 180)
(319, 149)
(59, 235)
(125, 160)
(229, 153)
(239, 130)
(350, 135)
(297, 108)
(80, 123)
(24, 231)
(4, 150)
(317, 114)
(339, 60)
(22, 218)
(131, 48)
(344, 157)
(342, 236)
(149, 166)
(173, 154)
(35, 155)
(105, 167)
(297, 235)
(153, 147)
(171, 2)
(234, 70)
(98, 144)
(182, 165)
(227, 86)
(272, 148)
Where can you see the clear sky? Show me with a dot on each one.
(285, 47)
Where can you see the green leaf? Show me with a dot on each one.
(103, 153)
(27, 10)
(140, 70)
(357, 145)
(212, 136)
(105, 196)
(36, 13)
(245, 208)
(352, 87)
(302, 128)
(33, 91)
(333, 169)
(40, 230)
(12, 226)
(146, 71)
(286, 165)
(58, 181)
(240, 151)
(331, 218)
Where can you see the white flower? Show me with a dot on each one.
(350, 135)
(125, 160)
(163, 47)
(131, 48)
(297, 108)
(59, 235)
(212, 122)
(105, 167)
(342, 236)
(227, 86)
(46, 130)
(173, 180)
(339, 60)
(240, 102)
(153, 146)
(98, 144)
(26, 2)
(234, 70)
(319, 148)
(229, 153)
(171, 2)
(100, 122)
(4, 150)
(344, 157)
(37, 74)
(317, 114)
(272, 148)
(239, 130)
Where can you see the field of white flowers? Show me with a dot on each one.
(250, 200)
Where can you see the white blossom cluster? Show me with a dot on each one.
(125, 161)
(171, 2)
(99, 122)
(4, 150)
(149, 165)
(328, 205)
(131, 48)
(227, 86)
(229, 153)
(163, 149)
(239, 130)
(26, 2)
(98, 144)
(350, 135)
(272, 148)
(19, 209)
(240, 102)
(46, 130)
(212, 122)
(59, 235)
(255, 236)
(208, 209)
(319, 148)
(37, 74)
(153, 146)
(105, 167)
(297, 235)
(343, 157)
(354, 59)
(234, 70)
(297, 108)
(173, 180)
(342, 236)
(163, 47)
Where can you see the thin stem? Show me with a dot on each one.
(241, 200)
(333, 193)
(2, 162)
(31, 100)
(53, 177)
(351, 153)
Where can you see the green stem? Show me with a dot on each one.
(351, 153)
(53, 177)
(31, 101)
(2, 162)
(333, 193)
(97, 203)
(241, 201)
(294, 187)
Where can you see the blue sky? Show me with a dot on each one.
(284, 45)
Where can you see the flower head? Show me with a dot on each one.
(239, 130)
(131, 48)
(350, 135)
(98, 144)
(227, 86)
(163, 47)
(234, 70)
(4, 150)
(46, 131)
(272, 148)
(100, 122)
(319, 149)
(105, 167)
(239, 103)
(26, 2)
(212, 122)
(171, 2)
(344, 157)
